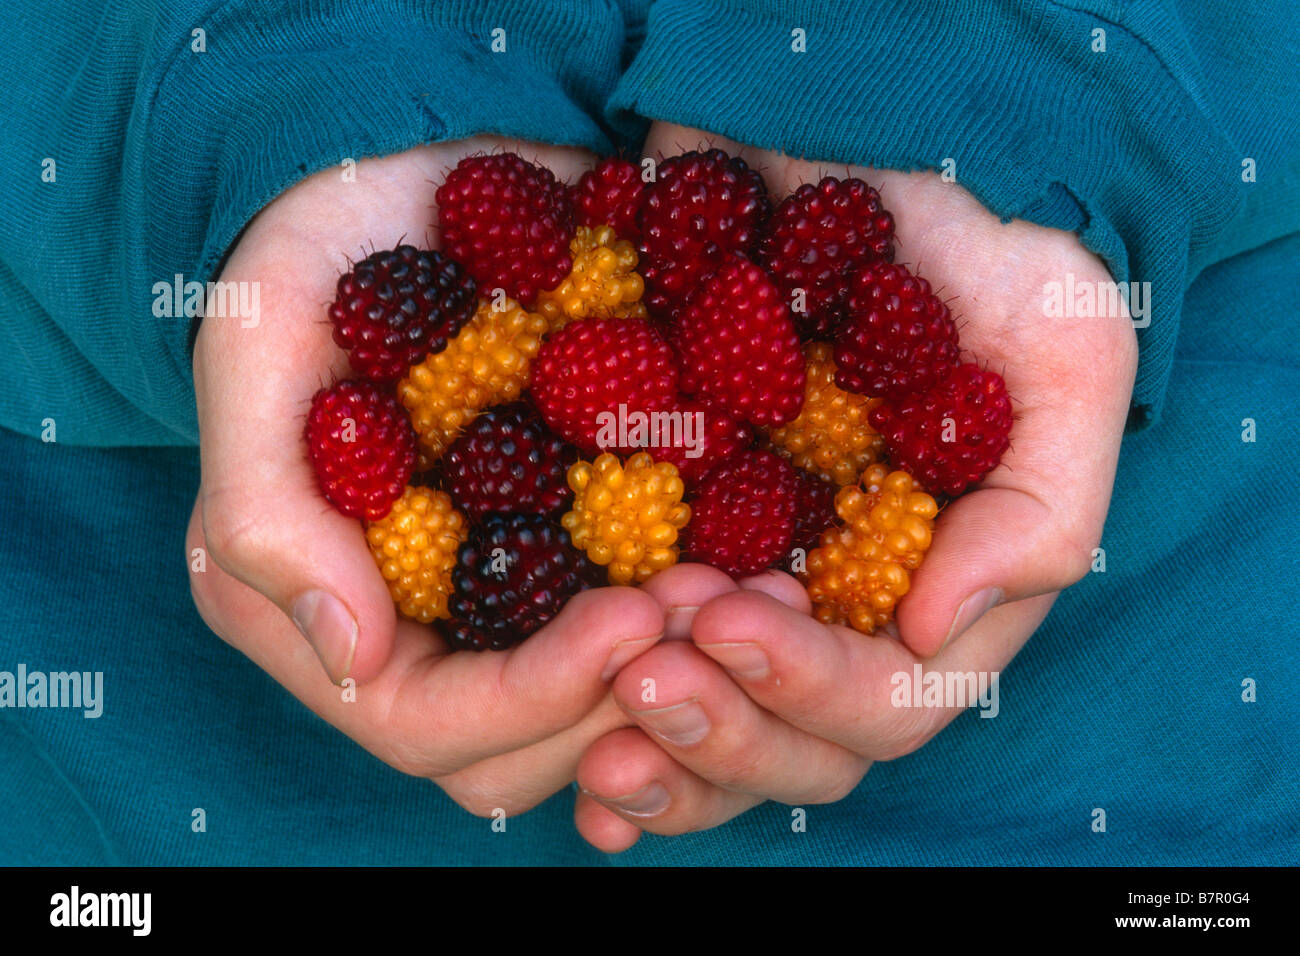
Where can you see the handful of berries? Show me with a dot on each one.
(588, 383)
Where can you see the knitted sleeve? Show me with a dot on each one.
(141, 137)
(1166, 133)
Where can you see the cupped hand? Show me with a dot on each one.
(496, 730)
(771, 704)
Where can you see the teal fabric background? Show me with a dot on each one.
(1129, 698)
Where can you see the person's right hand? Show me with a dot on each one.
(495, 730)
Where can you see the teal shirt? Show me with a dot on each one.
(139, 141)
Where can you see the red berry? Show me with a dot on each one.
(513, 574)
(817, 238)
(593, 376)
(362, 446)
(952, 435)
(610, 195)
(899, 336)
(507, 460)
(738, 347)
(714, 436)
(743, 518)
(509, 221)
(700, 208)
(394, 308)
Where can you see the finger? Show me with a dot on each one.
(515, 782)
(630, 777)
(430, 713)
(681, 590)
(782, 587)
(698, 715)
(836, 684)
(601, 827)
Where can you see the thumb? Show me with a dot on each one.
(990, 547)
(264, 518)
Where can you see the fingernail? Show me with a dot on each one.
(970, 611)
(650, 801)
(744, 660)
(681, 725)
(677, 622)
(329, 629)
(623, 652)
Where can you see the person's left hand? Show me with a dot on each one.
(749, 699)
(756, 700)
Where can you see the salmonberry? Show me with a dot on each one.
(831, 436)
(899, 336)
(507, 460)
(593, 380)
(513, 574)
(743, 518)
(361, 447)
(817, 238)
(738, 348)
(701, 208)
(488, 363)
(952, 435)
(627, 516)
(861, 569)
(610, 195)
(415, 547)
(396, 307)
(508, 221)
(602, 284)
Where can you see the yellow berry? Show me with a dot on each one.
(487, 363)
(626, 515)
(415, 547)
(831, 436)
(860, 570)
(603, 282)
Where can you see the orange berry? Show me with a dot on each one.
(830, 437)
(626, 516)
(860, 570)
(415, 547)
(488, 363)
(602, 284)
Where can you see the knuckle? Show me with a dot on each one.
(202, 582)
(837, 788)
(815, 696)
(738, 769)
(901, 747)
(907, 741)
(680, 825)
(416, 761)
(1076, 558)
(624, 610)
(481, 795)
(201, 593)
(234, 535)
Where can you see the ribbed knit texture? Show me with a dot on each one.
(163, 154)
(1138, 148)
